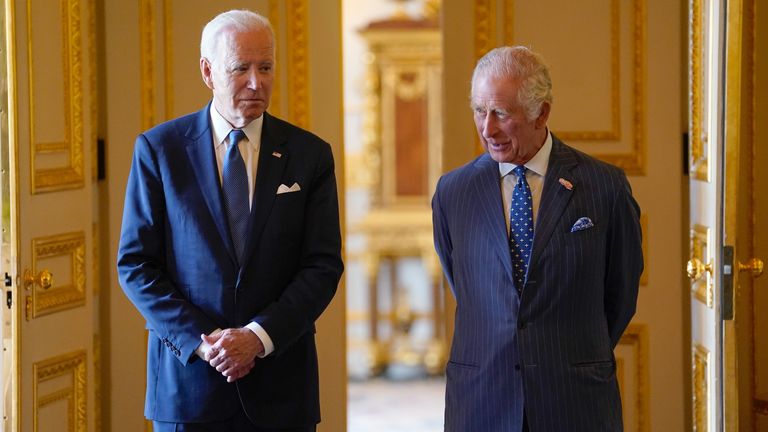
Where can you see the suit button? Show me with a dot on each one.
(517, 367)
(521, 325)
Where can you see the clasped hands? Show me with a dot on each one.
(232, 351)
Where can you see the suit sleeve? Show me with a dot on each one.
(442, 237)
(141, 260)
(625, 262)
(320, 266)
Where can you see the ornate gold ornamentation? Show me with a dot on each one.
(702, 288)
(93, 88)
(615, 133)
(95, 266)
(636, 337)
(97, 381)
(700, 389)
(72, 364)
(147, 55)
(275, 104)
(71, 175)
(485, 26)
(644, 246)
(297, 25)
(168, 58)
(699, 146)
(60, 296)
(633, 162)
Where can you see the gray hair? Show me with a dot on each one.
(519, 62)
(241, 20)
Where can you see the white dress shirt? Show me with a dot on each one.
(249, 150)
(537, 170)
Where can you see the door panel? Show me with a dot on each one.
(50, 206)
(705, 116)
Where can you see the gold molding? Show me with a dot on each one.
(275, 104)
(69, 176)
(59, 296)
(636, 337)
(701, 392)
(644, 247)
(168, 59)
(699, 146)
(147, 55)
(96, 255)
(632, 162)
(93, 89)
(297, 27)
(97, 381)
(702, 289)
(614, 134)
(72, 364)
(485, 26)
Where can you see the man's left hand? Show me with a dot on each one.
(233, 352)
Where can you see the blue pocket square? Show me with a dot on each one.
(582, 224)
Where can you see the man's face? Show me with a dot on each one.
(241, 74)
(501, 122)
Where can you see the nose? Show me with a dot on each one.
(489, 125)
(254, 81)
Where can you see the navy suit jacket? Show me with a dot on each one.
(549, 350)
(176, 263)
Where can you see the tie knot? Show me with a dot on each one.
(520, 172)
(235, 135)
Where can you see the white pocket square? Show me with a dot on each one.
(285, 189)
(582, 224)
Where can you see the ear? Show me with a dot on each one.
(206, 70)
(541, 120)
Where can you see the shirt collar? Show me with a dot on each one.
(538, 163)
(221, 128)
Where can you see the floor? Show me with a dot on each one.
(381, 405)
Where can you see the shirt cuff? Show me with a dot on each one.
(269, 347)
(199, 349)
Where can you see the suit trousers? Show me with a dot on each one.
(238, 423)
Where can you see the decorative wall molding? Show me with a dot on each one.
(633, 162)
(636, 338)
(72, 365)
(61, 295)
(147, 60)
(70, 175)
(699, 145)
(701, 392)
(297, 26)
(703, 288)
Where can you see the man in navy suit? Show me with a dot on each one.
(541, 246)
(231, 248)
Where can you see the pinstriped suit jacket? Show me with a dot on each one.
(549, 350)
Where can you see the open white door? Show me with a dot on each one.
(706, 59)
(47, 196)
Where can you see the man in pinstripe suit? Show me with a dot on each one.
(535, 354)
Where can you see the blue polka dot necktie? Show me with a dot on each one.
(234, 184)
(521, 227)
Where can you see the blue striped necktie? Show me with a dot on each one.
(234, 184)
(521, 227)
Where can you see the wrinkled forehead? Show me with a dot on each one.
(236, 42)
(494, 91)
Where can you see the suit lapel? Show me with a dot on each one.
(488, 191)
(554, 198)
(203, 160)
(268, 176)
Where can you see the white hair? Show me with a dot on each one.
(240, 20)
(520, 63)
